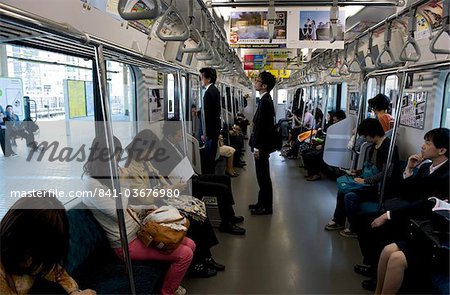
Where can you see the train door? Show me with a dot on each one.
(195, 103)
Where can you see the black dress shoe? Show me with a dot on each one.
(253, 206)
(211, 263)
(369, 285)
(261, 211)
(202, 270)
(237, 219)
(231, 228)
(365, 270)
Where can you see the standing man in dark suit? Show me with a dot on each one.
(211, 119)
(261, 142)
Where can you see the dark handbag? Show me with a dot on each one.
(277, 138)
(30, 125)
(433, 243)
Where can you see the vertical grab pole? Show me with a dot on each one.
(113, 165)
(226, 104)
(182, 106)
(360, 116)
(325, 106)
(393, 139)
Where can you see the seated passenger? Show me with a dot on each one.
(296, 124)
(16, 128)
(104, 211)
(380, 104)
(372, 131)
(414, 255)
(144, 176)
(242, 122)
(203, 184)
(237, 142)
(318, 118)
(431, 179)
(313, 159)
(227, 152)
(308, 120)
(34, 239)
(347, 204)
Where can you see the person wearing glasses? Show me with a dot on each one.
(261, 143)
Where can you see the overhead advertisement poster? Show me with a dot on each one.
(253, 62)
(314, 29)
(250, 29)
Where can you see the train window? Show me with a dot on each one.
(390, 84)
(282, 96)
(183, 90)
(331, 100)
(170, 96)
(445, 121)
(121, 91)
(372, 88)
(53, 81)
(344, 90)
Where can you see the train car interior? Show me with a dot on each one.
(281, 147)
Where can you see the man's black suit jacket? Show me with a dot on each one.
(263, 124)
(211, 107)
(418, 188)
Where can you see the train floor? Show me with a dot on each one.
(288, 252)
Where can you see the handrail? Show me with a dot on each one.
(334, 16)
(182, 37)
(335, 68)
(194, 31)
(412, 26)
(146, 14)
(200, 46)
(209, 54)
(355, 60)
(369, 54)
(387, 49)
(445, 29)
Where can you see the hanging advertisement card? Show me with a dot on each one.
(315, 29)
(250, 29)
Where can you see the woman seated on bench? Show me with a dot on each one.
(34, 237)
(104, 211)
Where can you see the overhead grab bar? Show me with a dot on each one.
(334, 16)
(387, 49)
(146, 14)
(182, 37)
(271, 18)
(357, 68)
(193, 31)
(369, 54)
(334, 72)
(445, 29)
(209, 53)
(412, 26)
